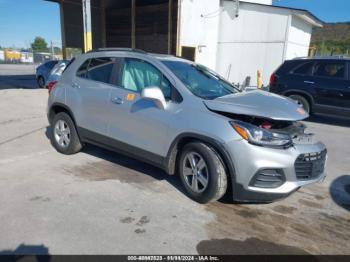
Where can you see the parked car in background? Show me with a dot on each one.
(56, 73)
(185, 119)
(320, 85)
(43, 72)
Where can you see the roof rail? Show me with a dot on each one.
(323, 57)
(301, 57)
(332, 57)
(125, 49)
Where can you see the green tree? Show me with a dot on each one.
(39, 45)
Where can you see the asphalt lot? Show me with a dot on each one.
(99, 202)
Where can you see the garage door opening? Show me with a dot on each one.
(150, 25)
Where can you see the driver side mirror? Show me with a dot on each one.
(155, 94)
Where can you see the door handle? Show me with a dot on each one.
(309, 82)
(75, 85)
(117, 100)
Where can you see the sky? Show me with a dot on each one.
(22, 20)
(327, 10)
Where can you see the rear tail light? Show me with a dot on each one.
(51, 86)
(273, 79)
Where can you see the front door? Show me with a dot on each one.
(135, 123)
(331, 84)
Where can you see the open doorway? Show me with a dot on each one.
(149, 25)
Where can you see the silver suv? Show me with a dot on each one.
(187, 120)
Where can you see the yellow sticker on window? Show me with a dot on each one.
(130, 97)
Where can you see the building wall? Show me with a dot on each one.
(255, 40)
(72, 25)
(298, 39)
(199, 27)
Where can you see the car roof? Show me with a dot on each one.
(163, 57)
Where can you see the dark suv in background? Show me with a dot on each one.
(320, 85)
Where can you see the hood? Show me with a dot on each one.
(259, 104)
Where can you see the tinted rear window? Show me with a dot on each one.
(303, 69)
(69, 63)
(50, 64)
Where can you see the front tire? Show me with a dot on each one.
(301, 101)
(64, 136)
(202, 173)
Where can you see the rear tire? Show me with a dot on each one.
(64, 136)
(302, 101)
(202, 173)
(41, 82)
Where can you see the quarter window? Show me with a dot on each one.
(82, 71)
(330, 69)
(137, 74)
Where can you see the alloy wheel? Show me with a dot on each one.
(62, 133)
(195, 172)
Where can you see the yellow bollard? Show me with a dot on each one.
(259, 79)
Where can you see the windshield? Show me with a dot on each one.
(200, 80)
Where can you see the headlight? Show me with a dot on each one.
(259, 136)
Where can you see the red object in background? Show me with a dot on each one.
(266, 125)
(51, 86)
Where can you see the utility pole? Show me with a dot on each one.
(52, 51)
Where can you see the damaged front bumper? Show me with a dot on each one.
(265, 174)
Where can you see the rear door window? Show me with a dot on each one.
(100, 69)
(97, 69)
(330, 69)
(303, 69)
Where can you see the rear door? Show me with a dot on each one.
(331, 84)
(300, 78)
(89, 94)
